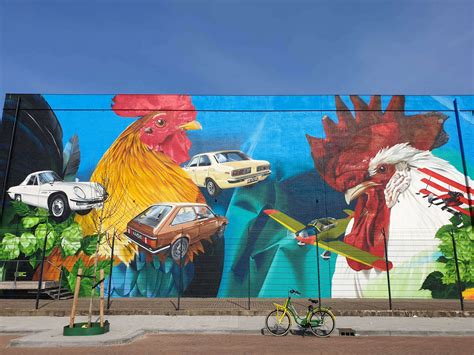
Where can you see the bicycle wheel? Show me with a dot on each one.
(322, 323)
(278, 323)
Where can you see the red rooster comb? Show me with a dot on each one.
(371, 130)
(134, 105)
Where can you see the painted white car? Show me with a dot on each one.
(46, 189)
(226, 169)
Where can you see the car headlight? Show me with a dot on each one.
(263, 167)
(100, 190)
(79, 192)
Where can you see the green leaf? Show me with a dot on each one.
(10, 246)
(30, 222)
(20, 208)
(28, 245)
(40, 233)
(71, 276)
(71, 239)
(439, 290)
(60, 227)
(3, 254)
(444, 231)
(442, 259)
(103, 264)
(33, 261)
(69, 248)
(464, 240)
(89, 244)
(73, 232)
(41, 212)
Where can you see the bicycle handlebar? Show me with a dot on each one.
(295, 291)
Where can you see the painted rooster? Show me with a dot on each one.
(141, 167)
(374, 159)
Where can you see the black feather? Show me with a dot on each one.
(71, 158)
(37, 142)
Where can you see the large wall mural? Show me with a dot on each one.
(212, 196)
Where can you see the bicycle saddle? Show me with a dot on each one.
(313, 301)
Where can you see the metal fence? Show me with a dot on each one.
(261, 262)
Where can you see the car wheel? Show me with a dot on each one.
(179, 248)
(83, 212)
(220, 231)
(18, 198)
(59, 208)
(212, 188)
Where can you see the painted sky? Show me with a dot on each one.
(279, 124)
(237, 47)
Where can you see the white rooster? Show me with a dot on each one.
(375, 158)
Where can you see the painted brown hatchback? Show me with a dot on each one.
(174, 227)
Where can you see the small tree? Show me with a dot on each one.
(109, 208)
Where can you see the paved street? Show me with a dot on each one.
(253, 344)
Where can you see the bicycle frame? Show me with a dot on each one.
(288, 308)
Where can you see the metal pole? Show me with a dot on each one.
(16, 273)
(180, 287)
(458, 275)
(110, 272)
(248, 273)
(248, 285)
(40, 280)
(388, 271)
(10, 150)
(60, 282)
(463, 158)
(319, 274)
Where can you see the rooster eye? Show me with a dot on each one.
(160, 123)
(382, 169)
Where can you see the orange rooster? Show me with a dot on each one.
(140, 168)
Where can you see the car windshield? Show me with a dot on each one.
(324, 224)
(153, 215)
(226, 157)
(48, 176)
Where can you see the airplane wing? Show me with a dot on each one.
(286, 221)
(439, 185)
(355, 254)
(335, 246)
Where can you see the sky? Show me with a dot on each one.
(237, 47)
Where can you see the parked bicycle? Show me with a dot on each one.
(321, 321)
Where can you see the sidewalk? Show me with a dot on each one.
(47, 331)
(239, 307)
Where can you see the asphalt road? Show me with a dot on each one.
(258, 344)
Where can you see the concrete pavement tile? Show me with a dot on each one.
(124, 329)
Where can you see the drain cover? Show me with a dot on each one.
(347, 332)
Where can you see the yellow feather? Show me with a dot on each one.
(135, 177)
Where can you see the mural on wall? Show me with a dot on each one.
(227, 196)
(376, 159)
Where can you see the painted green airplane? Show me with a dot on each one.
(327, 231)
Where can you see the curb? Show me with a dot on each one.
(419, 333)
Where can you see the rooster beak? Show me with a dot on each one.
(358, 190)
(191, 126)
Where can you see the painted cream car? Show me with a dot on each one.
(45, 189)
(226, 169)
